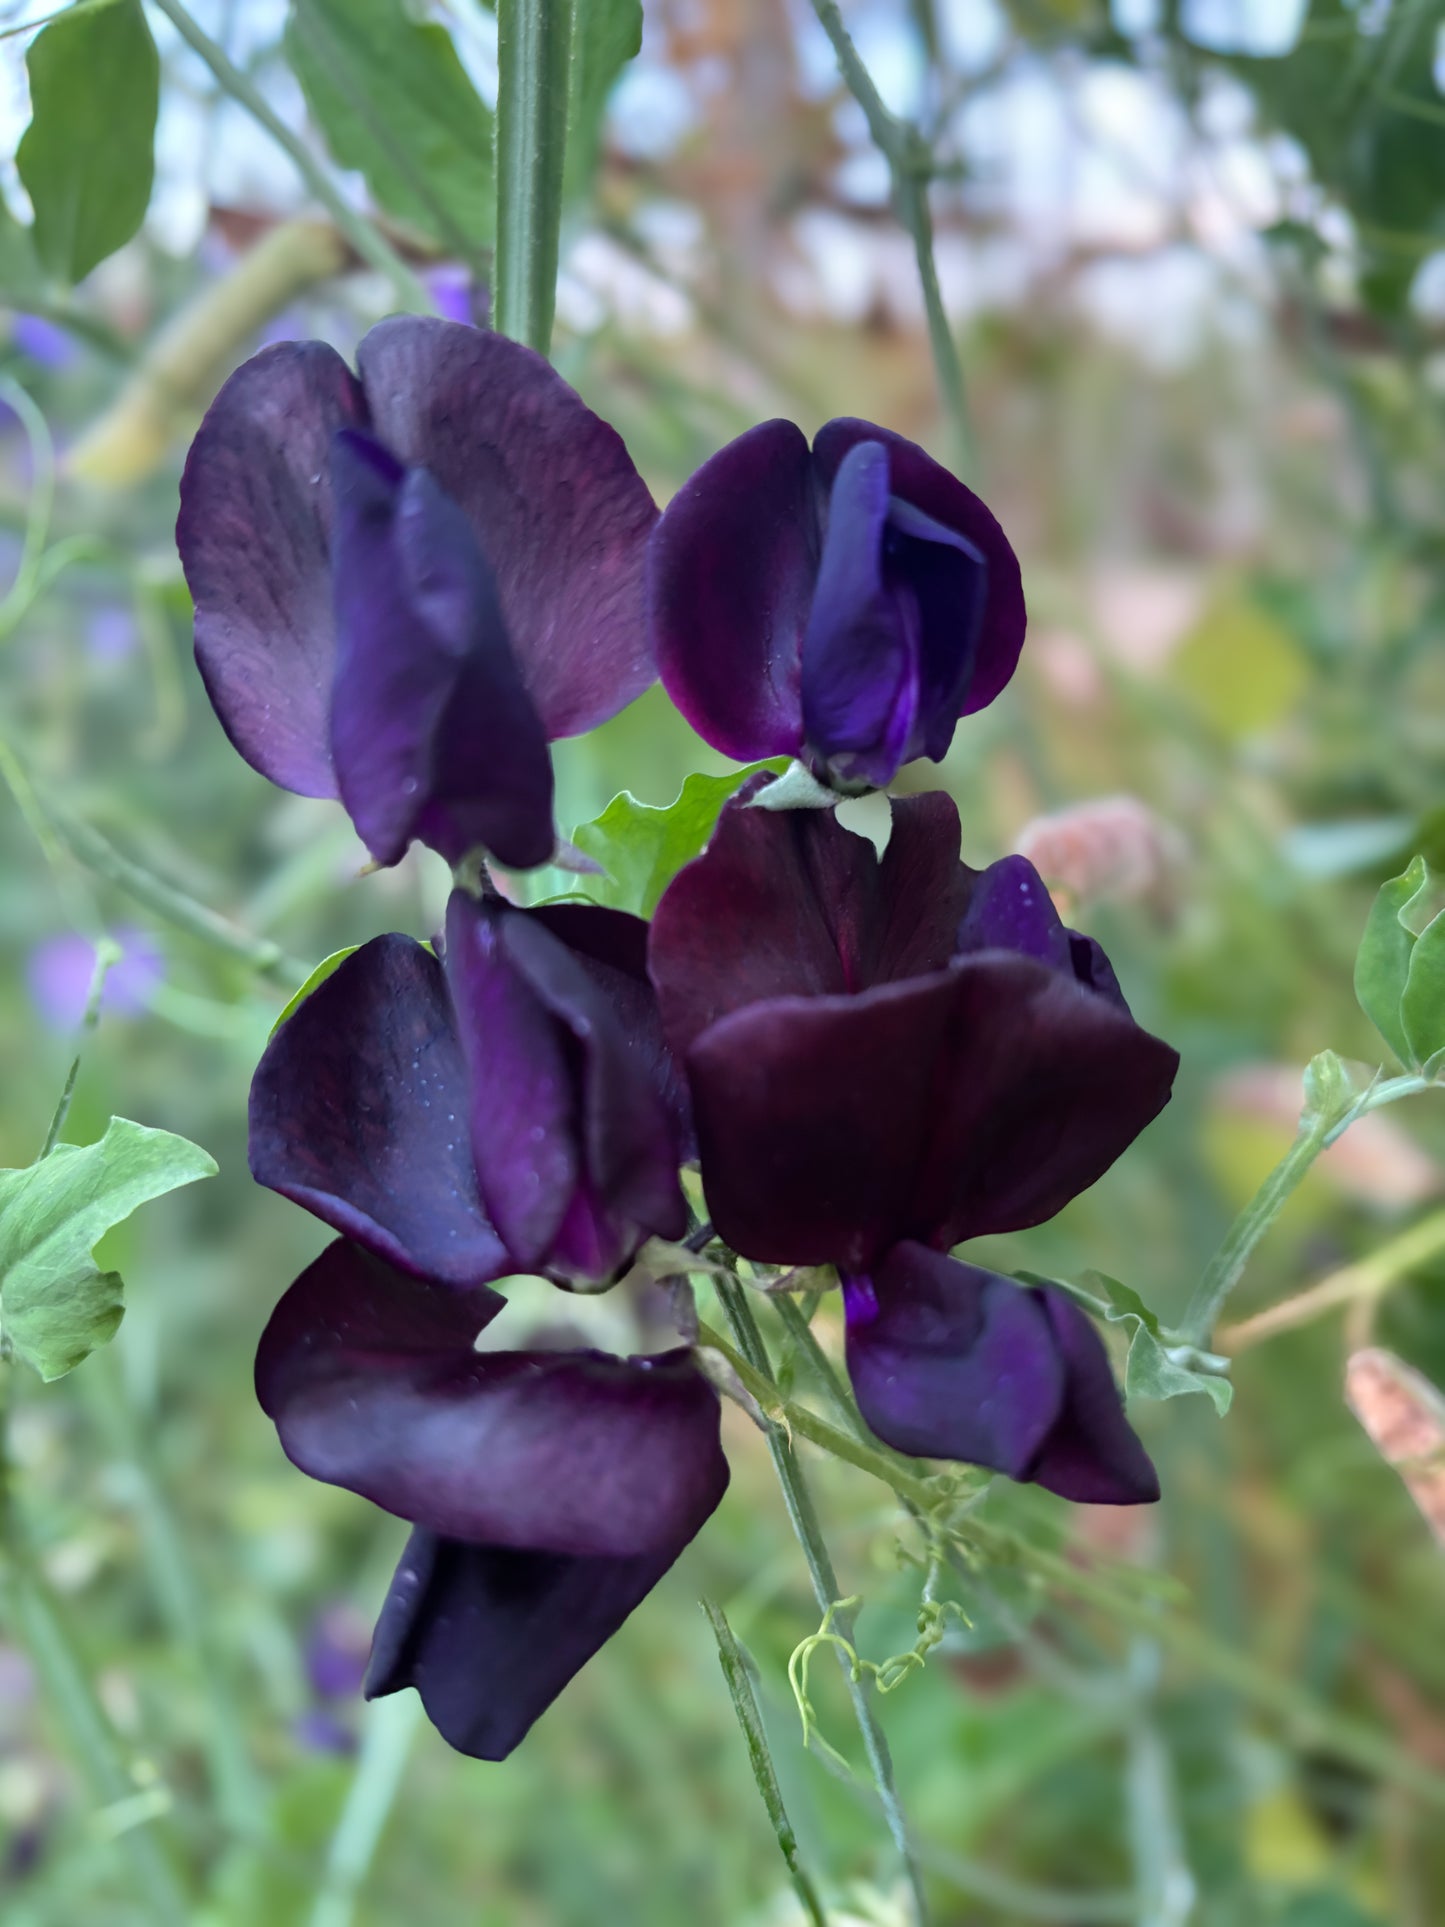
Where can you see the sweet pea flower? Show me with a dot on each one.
(509, 1109)
(410, 579)
(548, 1491)
(904, 1054)
(844, 604)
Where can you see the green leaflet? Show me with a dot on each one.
(1385, 967)
(393, 100)
(56, 1305)
(87, 159)
(1159, 1364)
(641, 846)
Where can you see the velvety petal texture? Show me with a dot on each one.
(373, 1383)
(550, 1490)
(489, 1635)
(844, 604)
(407, 583)
(514, 1109)
(359, 1112)
(858, 1079)
(948, 1361)
(576, 1147)
(432, 732)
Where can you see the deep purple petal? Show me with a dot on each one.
(940, 580)
(558, 509)
(1010, 909)
(359, 1113)
(817, 911)
(951, 1362)
(432, 733)
(611, 946)
(489, 1637)
(576, 1148)
(920, 481)
(979, 1099)
(374, 1384)
(1092, 1454)
(254, 532)
(860, 675)
(731, 567)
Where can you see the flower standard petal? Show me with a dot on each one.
(359, 1113)
(489, 1636)
(557, 507)
(254, 535)
(432, 733)
(374, 1383)
(731, 567)
(949, 1361)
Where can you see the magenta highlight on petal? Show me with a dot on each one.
(845, 604)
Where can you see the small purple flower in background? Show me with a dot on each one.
(844, 604)
(335, 1652)
(410, 580)
(42, 341)
(457, 297)
(549, 1490)
(61, 967)
(512, 1108)
(904, 1054)
(110, 633)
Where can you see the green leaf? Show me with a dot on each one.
(392, 100)
(1159, 1365)
(606, 34)
(534, 49)
(318, 977)
(1382, 964)
(1422, 1005)
(87, 159)
(641, 846)
(56, 1304)
(21, 278)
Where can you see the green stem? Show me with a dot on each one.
(910, 163)
(173, 905)
(107, 954)
(734, 1664)
(239, 1794)
(36, 1623)
(1377, 1753)
(372, 247)
(804, 1518)
(1317, 1133)
(22, 591)
(534, 46)
(391, 1727)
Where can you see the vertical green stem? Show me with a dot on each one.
(734, 1664)
(390, 1729)
(804, 1518)
(910, 163)
(36, 1622)
(534, 45)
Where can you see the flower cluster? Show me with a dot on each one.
(407, 582)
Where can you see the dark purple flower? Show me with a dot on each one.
(511, 1109)
(550, 1490)
(887, 1054)
(951, 1362)
(409, 580)
(899, 1055)
(844, 604)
